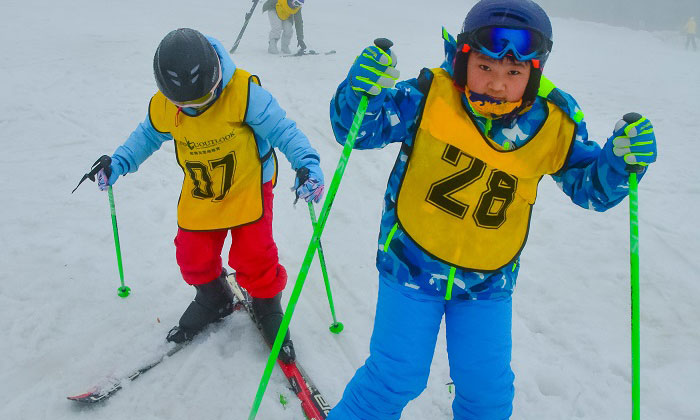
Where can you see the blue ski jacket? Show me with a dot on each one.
(588, 178)
(265, 116)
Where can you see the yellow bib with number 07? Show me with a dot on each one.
(219, 156)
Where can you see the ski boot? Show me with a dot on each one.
(285, 49)
(268, 314)
(272, 47)
(214, 301)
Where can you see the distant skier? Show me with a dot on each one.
(284, 15)
(225, 127)
(477, 135)
(690, 29)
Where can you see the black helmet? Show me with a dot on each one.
(186, 66)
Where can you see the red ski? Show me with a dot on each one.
(313, 404)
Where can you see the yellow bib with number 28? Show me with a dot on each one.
(464, 199)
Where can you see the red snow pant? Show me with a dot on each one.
(253, 254)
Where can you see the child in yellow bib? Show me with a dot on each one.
(477, 135)
(284, 15)
(225, 127)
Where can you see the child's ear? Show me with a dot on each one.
(533, 84)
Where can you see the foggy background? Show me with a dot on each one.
(636, 14)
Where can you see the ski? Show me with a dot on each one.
(313, 403)
(111, 385)
(301, 53)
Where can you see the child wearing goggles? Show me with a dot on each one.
(477, 134)
(225, 127)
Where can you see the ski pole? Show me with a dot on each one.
(336, 327)
(245, 25)
(634, 288)
(123, 290)
(103, 163)
(311, 250)
(308, 257)
(633, 170)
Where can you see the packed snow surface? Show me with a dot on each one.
(77, 78)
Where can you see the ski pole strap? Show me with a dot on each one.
(103, 162)
(450, 282)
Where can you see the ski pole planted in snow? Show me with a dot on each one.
(633, 170)
(245, 25)
(103, 164)
(311, 250)
(336, 327)
(123, 290)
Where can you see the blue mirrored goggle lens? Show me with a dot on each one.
(523, 43)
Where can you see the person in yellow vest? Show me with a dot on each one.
(691, 30)
(477, 135)
(284, 15)
(225, 127)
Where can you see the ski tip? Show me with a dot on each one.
(88, 397)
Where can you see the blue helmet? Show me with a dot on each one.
(499, 28)
(522, 16)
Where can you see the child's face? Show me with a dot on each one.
(504, 79)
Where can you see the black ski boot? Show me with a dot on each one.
(214, 301)
(268, 314)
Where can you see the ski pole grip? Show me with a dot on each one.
(303, 175)
(383, 43)
(630, 118)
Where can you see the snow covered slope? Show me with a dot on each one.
(76, 79)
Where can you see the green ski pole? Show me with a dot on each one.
(103, 163)
(336, 327)
(633, 170)
(123, 290)
(311, 250)
(634, 288)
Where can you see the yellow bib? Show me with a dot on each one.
(219, 156)
(463, 199)
(284, 11)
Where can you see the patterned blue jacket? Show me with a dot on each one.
(592, 177)
(265, 116)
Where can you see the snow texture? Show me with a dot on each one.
(76, 79)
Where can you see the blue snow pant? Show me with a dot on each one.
(406, 326)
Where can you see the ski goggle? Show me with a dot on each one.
(497, 42)
(201, 101)
(297, 3)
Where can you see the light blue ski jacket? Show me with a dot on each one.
(592, 177)
(265, 116)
